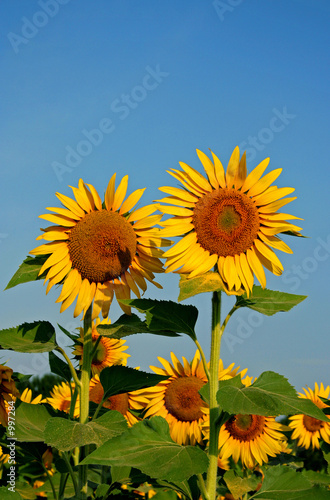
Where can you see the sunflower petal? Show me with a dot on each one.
(110, 193)
(256, 266)
(120, 193)
(209, 168)
(131, 201)
(255, 175)
(232, 168)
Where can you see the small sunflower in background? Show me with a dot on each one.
(229, 220)
(125, 403)
(61, 396)
(108, 351)
(177, 399)
(308, 430)
(97, 250)
(8, 392)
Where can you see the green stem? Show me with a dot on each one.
(212, 472)
(84, 394)
(50, 478)
(72, 369)
(71, 472)
(199, 347)
(202, 487)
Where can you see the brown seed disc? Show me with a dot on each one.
(312, 424)
(102, 246)
(182, 399)
(245, 427)
(226, 222)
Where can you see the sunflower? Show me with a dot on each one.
(251, 438)
(61, 396)
(124, 403)
(8, 392)
(26, 397)
(98, 250)
(228, 220)
(177, 399)
(309, 430)
(108, 351)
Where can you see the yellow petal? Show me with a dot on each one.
(57, 234)
(230, 273)
(209, 168)
(276, 205)
(72, 295)
(196, 177)
(175, 210)
(82, 297)
(180, 193)
(255, 175)
(131, 201)
(232, 169)
(147, 221)
(65, 212)
(71, 204)
(241, 274)
(187, 182)
(207, 264)
(96, 198)
(263, 183)
(82, 199)
(256, 266)
(275, 242)
(59, 220)
(110, 193)
(268, 253)
(173, 200)
(241, 173)
(176, 230)
(274, 195)
(219, 171)
(69, 284)
(56, 257)
(48, 248)
(129, 281)
(182, 245)
(142, 212)
(120, 193)
(59, 276)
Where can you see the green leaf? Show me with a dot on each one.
(166, 315)
(237, 485)
(208, 282)
(28, 271)
(147, 446)
(29, 337)
(283, 483)
(59, 367)
(325, 447)
(270, 395)
(68, 334)
(269, 302)
(119, 379)
(7, 494)
(316, 477)
(128, 325)
(31, 422)
(66, 434)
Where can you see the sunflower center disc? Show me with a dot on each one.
(182, 399)
(102, 246)
(226, 222)
(312, 424)
(245, 427)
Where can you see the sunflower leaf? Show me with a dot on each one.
(128, 325)
(207, 282)
(29, 337)
(66, 434)
(270, 395)
(28, 271)
(147, 446)
(166, 315)
(118, 379)
(284, 483)
(59, 367)
(269, 302)
(30, 422)
(237, 485)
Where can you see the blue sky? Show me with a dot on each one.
(93, 88)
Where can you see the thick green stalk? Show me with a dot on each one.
(84, 394)
(214, 407)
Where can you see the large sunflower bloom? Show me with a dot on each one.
(309, 430)
(124, 403)
(251, 438)
(177, 399)
(229, 220)
(97, 250)
(108, 351)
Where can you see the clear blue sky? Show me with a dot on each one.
(160, 79)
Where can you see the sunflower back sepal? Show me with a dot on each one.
(28, 271)
(38, 336)
(207, 282)
(166, 316)
(270, 395)
(269, 302)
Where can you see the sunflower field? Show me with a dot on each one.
(188, 429)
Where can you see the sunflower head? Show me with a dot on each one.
(307, 430)
(96, 250)
(228, 219)
(108, 351)
(8, 392)
(61, 396)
